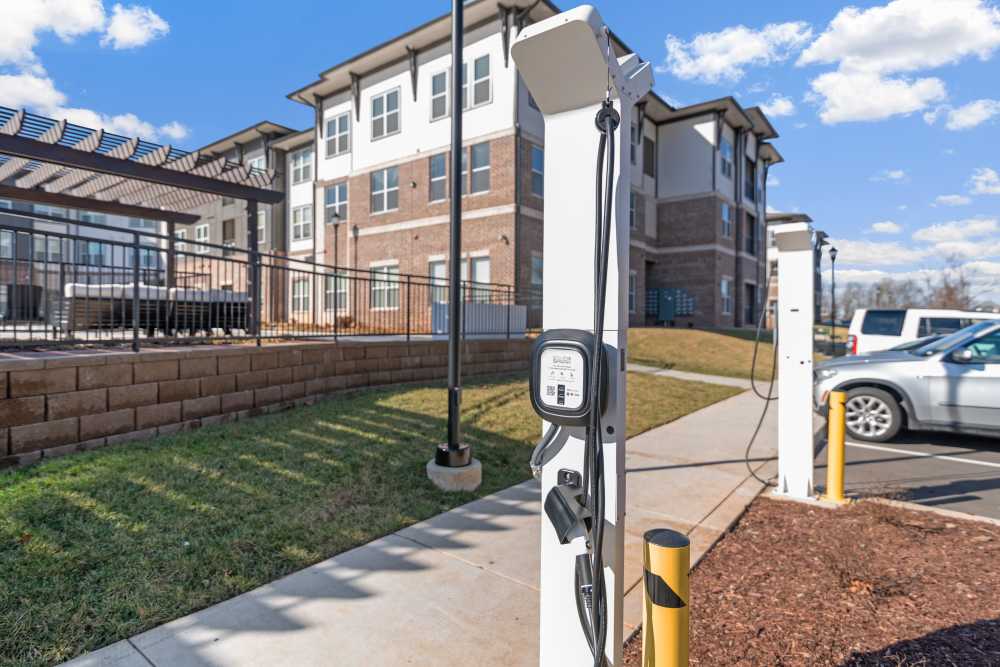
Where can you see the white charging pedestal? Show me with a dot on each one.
(795, 359)
(563, 60)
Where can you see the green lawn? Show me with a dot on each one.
(96, 547)
(713, 353)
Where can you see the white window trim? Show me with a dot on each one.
(295, 156)
(447, 94)
(346, 203)
(724, 298)
(202, 249)
(431, 180)
(307, 297)
(327, 137)
(306, 221)
(469, 84)
(381, 264)
(385, 113)
(385, 191)
(470, 172)
(261, 227)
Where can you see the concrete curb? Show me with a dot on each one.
(917, 507)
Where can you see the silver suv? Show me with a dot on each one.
(950, 384)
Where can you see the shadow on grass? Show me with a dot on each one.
(101, 546)
(970, 644)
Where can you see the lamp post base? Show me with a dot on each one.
(466, 477)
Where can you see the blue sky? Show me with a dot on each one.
(883, 107)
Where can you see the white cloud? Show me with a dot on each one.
(30, 91)
(850, 96)
(957, 230)
(890, 176)
(886, 227)
(25, 83)
(772, 181)
(907, 35)
(985, 181)
(874, 48)
(778, 105)
(24, 20)
(799, 126)
(877, 253)
(966, 116)
(902, 207)
(133, 26)
(951, 200)
(724, 56)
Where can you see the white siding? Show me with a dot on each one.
(685, 157)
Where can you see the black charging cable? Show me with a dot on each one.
(767, 398)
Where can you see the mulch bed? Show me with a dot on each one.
(868, 584)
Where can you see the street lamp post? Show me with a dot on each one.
(833, 299)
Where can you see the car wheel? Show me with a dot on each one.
(872, 414)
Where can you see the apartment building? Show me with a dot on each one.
(223, 221)
(368, 184)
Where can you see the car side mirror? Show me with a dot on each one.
(963, 356)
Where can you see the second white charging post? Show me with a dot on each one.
(583, 90)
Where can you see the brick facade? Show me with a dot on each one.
(53, 406)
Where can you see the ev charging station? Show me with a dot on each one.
(794, 330)
(586, 94)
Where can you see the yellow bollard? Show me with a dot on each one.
(835, 449)
(666, 559)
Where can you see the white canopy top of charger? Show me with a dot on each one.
(564, 62)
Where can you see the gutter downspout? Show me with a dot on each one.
(738, 159)
(517, 179)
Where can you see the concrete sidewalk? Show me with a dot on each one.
(462, 588)
(742, 383)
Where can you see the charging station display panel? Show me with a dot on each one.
(562, 377)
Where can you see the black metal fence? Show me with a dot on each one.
(67, 282)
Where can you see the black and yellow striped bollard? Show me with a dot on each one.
(665, 617)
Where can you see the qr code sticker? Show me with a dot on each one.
(550, 391)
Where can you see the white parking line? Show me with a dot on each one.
(943, 457)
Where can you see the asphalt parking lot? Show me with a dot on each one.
(960, 473)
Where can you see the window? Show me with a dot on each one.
(727, 221)
(648, 157)
(438, 177)
(537, 270)
(302, 166)
(180, 235)
(335, 202)
(749, 180)
(302, 222)
(439, 95)
(750, 240)
(261, 228)
(228, 231)
(632, 280)
(631, 210)
(438, 273)
(385, 114)
(335, 292)
(479, 275)
(986, 350)
(385, 190)
(883, 322)
(201, 236)
(726, 153)
(633, 144)
(481, 89)
(259, 162)
(480, 167)
(537, 171)
(338, 134)
(5, 203)
(930, 326)
(749, 303)
(300, 295)
(726, 295)
(385, 286)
